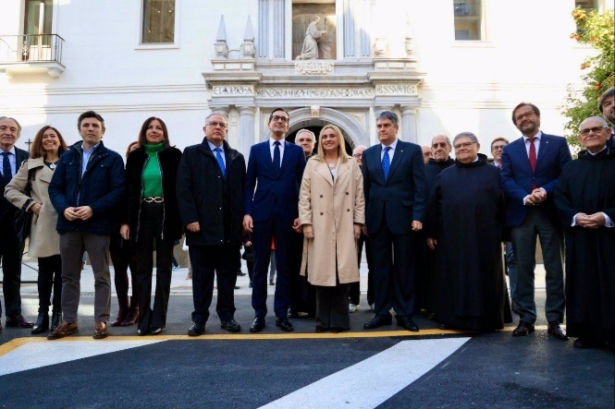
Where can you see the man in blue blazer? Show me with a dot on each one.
(273, 179)
(11, 249)
(531, 166)
(396, 195)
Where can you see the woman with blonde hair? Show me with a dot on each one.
(45, 152)
(331, 211)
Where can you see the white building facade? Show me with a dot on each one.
(445, 66)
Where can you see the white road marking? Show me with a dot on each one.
(371, 382)
(39, 354)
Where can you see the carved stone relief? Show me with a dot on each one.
(314, 31)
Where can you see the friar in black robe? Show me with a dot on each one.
(466, 217)
(587, 186)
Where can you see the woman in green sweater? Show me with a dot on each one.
(152, 219)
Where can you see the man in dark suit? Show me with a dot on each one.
(11, 249)
(607, 107)
(531, 166)
(396, 195)
(210, 183)
(273, 179)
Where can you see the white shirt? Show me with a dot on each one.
(12, 161)
(272, 148)
(393, 146)
(221, 147)
(536, 143)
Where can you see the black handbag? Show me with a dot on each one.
(23, 218)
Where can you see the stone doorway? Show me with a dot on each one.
(315, 125)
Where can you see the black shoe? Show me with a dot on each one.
(587, 343)
(196, 329)
(284, 324)
(240, 273)
(556, 331)
(230, 326)
(56, 320)
(41, 325)
(142, 332)
(257, 325)
(407, 323)
(156, 331)
(378, 322)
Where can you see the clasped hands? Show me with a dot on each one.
(591, 221)
(81, 212)
(537, 196)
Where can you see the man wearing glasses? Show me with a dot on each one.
(275, 170)
(531, 166)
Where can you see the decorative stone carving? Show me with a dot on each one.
(314, 67)
(396, 89)
(381, 47)
(315, 111)
(315, 92)
(233, 90)
(309, 50)
(220, 45)
(247, 48)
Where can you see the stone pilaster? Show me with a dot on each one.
(349, 30)
(262, 47)
(279, 27)
(409, 132)
(246, 130)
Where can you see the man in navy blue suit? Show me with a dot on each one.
(396, 195)
(273, 179)
(607, 108)
(531, 166)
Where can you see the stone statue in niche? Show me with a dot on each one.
(310, 42)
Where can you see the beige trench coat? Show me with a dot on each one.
(44, 239)
(332, 208)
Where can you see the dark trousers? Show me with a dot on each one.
(394, 263)
(123, 257)
(11, 251)
(354, 289)
(285, 255)
(49, 277)
(150, 231)
(332, 307)
(524, 246)
(207, 260)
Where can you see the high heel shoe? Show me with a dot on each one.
(41, 325)
(56, 320)
(131, 318)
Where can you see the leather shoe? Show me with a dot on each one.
(230, 326)
(523, 329)
(121, 316)
(257, 325)
(377, 322)
(284, 324)
(587, 343)
(131, 318)
(156, 331)
(42, 324)
(18, 322)
(56, 320)
(557, 331)
(65, 329)
(407, 323)
(196, 329)
(100, 330)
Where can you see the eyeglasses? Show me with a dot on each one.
(358, 155)
(463, 145)
(439, 145)
(497, 147)
(216, 124)
(595, 129)
(276, 118)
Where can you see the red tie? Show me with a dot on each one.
(532, 157)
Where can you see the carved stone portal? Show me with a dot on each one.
(314, 27)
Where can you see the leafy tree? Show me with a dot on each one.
(597, 30)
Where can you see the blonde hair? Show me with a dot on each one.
(341, 149)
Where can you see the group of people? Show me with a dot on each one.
(433, 227)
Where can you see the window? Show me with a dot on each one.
(158, 21)
(587, 5)
(38, 17)
(468, 20)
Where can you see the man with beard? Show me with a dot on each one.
(585, 200)
(531, 166)
(607, 107)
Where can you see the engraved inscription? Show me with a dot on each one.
(314, 67)
(315, 92)
(230, 90)
(397, 89)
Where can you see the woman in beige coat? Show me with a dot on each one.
(331, 211)
(46, 149)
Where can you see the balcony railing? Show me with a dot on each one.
(31, 48)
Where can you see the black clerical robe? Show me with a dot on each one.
(587, 185)
(466, 216)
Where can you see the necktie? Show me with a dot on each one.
(532, 157)
(386, 162)
(7, 175)
(276, 156)
(220, 161)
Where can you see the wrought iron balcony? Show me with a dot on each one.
(31, 53)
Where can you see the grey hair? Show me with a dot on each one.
(446, 139)
(466, 135)
(608, 93)
(216, 114)
(597, 118)
(14, 120)
(300, 131)
(388, 115)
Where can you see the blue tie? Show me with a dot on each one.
(220, 161)
(386, 162)
(276, 156)
(7, 174)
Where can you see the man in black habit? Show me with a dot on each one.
(464, 225)
(585, 200)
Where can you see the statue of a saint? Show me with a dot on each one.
(310, 43)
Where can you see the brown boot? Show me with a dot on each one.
(121, 316)
(131, 318)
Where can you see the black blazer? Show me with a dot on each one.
(403, 196)
(20, 156)
(169, 163)
(200, 194)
